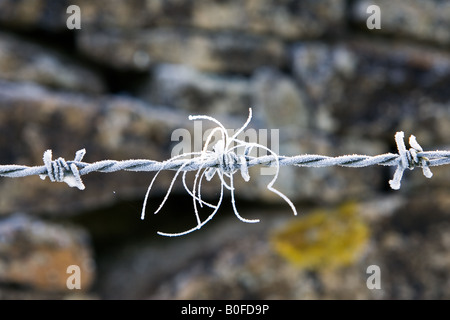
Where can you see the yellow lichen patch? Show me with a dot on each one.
(324, 238)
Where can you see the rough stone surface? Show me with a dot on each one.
(423, 20)
(37, 254)
(48, 15)
(279, 101)
(219, 52)
(186, 88)
(350, 80)
(285, 19)
(227, 267)
(318, 82)
(23, 61)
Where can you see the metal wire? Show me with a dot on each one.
(70, 172)
(224, 161)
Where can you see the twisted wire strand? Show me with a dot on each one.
(224, 160)
(67, 169)
(227, 161)
(436, 158)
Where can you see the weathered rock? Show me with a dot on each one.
(425, 21)
(279, 103)
(322, 69)
(40, 14)
(287, 19)
(21, 60)
(39, 255)
(135, 14)
(221, 51)
(155, 267)
(241, 261)
(413, 249)
(185, 88)
(276, 100)
(373, 88)
(303, 70)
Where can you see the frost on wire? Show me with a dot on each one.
(223, 159)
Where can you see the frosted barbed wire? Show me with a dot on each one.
(224, 161)
(435, 158)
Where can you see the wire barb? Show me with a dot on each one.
(61, 171)
(408, 159)
(223, 160)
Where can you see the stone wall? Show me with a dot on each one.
(136, 70)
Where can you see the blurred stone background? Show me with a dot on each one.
(136, 70)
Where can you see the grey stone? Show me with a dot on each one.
(369, 88)
(23, 61)
(37, 254)
(308, 68)
(185, 88)
(49, 15)
(240, 261)
(425, 21)
(279, 103)
(218, 52)
(286, 19)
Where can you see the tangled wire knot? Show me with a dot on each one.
(224, 159)
(227, 162)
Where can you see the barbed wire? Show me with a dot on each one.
(224, 160)
(61, 170)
